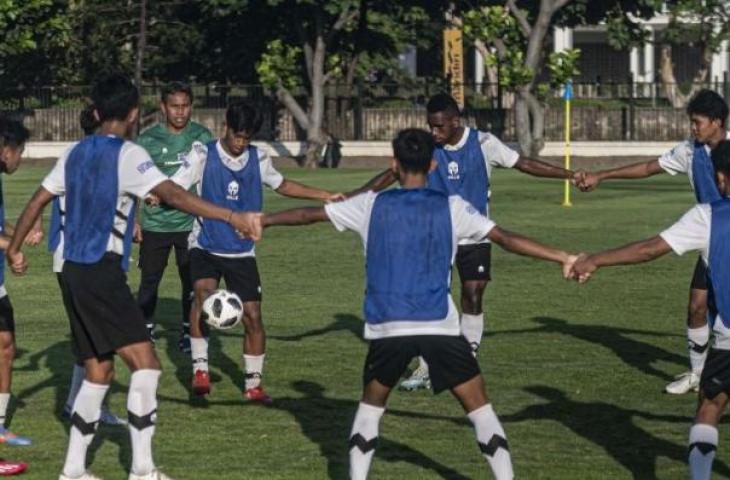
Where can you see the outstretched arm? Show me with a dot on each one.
(638, 252)
(27, 219)
(379, 182)
(635, 170)
(295, 216)
(539, 168)
(290, 188)
(515, 243)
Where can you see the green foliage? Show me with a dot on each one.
(563, 66)
(279, 65)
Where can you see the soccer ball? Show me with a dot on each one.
(222, 310)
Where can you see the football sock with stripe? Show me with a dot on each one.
(699, 341)
(77, 378)
(254, 365)
(702, 448)
(84, 420)
(472, 328)
(142, 412)
(492, 441)
(199, 353)
(4, 401)
(364, 439)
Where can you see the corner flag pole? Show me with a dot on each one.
(568, 96)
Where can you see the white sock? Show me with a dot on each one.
(699, 341)
(422, 365)
(702, 448)
(77, 378)
(84, 420)
(142, 409)
(364, 439)
(254, 365)
(492, 441)
(4, 400)
(199, 352)
(472, 328)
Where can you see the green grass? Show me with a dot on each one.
(575, 372)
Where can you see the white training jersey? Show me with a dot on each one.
(138, 175)
(679, 159)
(191, 173)
(467, 224)
(692, 233)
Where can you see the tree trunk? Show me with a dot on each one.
(676, 97)
(522, 121)
(141, 43)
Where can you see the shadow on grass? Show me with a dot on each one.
(634, 353)
(612, 428)
(343, 322)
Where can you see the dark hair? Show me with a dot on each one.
(243, 117)
(442, 102)
(12, 132)
(176, 87)
(87, 120)
(114, 96)
(721, 157)
(709, 104)
(413, 148)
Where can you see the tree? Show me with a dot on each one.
(704, 24)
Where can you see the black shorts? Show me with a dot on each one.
(450, 360)
(240, 274)
(103, 314)
(7, 318)
(716, 374)
(699, 277)
(474, 262)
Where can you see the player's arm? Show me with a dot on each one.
(637, 252)
(635, 170)
(290, 188)
(538, 168)
(295, 216)
(4, 241)
(33, 209)
(515, 243)
(379, 182)
(172, 194)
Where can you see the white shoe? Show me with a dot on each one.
(153, 475)
(108, 418)
(687, 381)
(85, 476)
(419, 379)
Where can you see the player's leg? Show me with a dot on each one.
(474, 263)
(7, 357)
(205, 275)
(182, 259)
(698, 332)
(386, 360)
(153, 253)
(454, 367)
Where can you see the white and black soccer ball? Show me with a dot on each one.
(222, 310)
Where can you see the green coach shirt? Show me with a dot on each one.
(168, 151)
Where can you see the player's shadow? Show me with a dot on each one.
(342, 322)
(634, 353)
(327, 422)
(611, 428)
(167, 330)
(59, 359)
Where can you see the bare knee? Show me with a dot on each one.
(710, 411)
(7, 347)
(697, 311)
(471, 297)
(140, 356)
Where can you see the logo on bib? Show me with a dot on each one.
(453, 169)
(232, 191)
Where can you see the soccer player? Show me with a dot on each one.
(465, 158)
(13, 136)
(410, 237)
(101, 178)
(707, 113)
(231, 172)
(163, 227)
(704, 228)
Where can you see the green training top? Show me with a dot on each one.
(168, 151)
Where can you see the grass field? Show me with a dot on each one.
(576, 373)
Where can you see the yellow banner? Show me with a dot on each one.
(454, 63)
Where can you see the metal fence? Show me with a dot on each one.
(376, 111)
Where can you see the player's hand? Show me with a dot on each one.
(34, 237)
(578, 178)
(589, 182)
(247, 224)
(152, 200)
(17, 262)
(137, 235)
(583, 268)
(568, 273)
(335, 197)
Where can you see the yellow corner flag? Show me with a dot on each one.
(568, 96)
